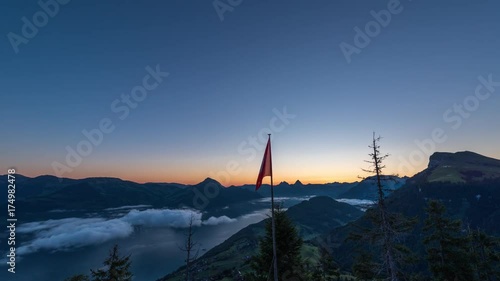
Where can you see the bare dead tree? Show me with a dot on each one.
(191, 248)
(389, 227)
(386, 228)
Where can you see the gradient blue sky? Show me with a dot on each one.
(226, 77)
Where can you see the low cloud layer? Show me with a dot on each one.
(70, 233)
(127, 207)
(65, 234)
(163, 218)
(282, 199)
(219, 220)
(356, 202)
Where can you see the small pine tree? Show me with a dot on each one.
(116, 268)
(364, 268)
(79, 277)
(485, 255)
(447, 253)
(288, 246)
(327, 268)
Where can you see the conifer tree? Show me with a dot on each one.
(364, 268)
(79, 277)
(116, 268)
(328, 267)
(288, 246)
(447, 253)
(485, 255)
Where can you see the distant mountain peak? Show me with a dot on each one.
(209, 181)
(298, 182)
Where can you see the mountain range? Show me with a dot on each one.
(38, 198)
(467, 183)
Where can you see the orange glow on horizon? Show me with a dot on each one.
(307, 168)
(239, 180)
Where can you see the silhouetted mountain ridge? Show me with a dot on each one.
(39, 195)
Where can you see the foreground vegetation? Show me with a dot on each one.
(430, 244)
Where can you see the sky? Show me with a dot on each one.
(177, 91)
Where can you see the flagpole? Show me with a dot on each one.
(272, 223)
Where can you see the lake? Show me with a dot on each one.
(154, 249)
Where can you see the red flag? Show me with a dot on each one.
(266, 168)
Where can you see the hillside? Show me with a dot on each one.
(312, 217)
(473, 200)
(462, 167)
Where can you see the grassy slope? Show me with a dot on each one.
(462, 167)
